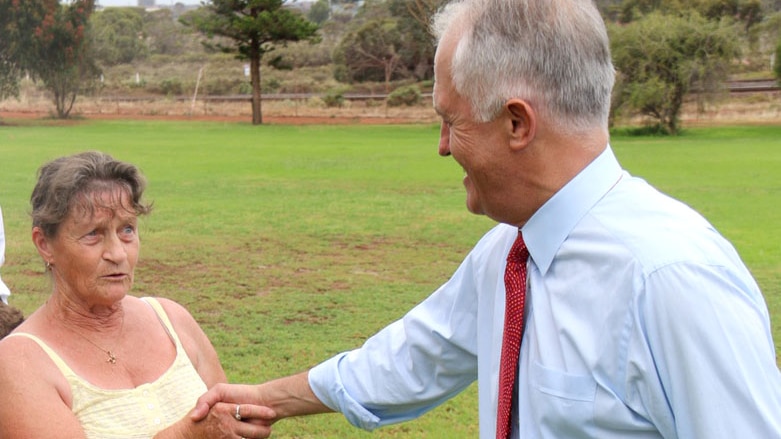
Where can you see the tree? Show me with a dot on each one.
(164, 34)
(319, 12)
(118, 35)
(59, 52)
(17, 21)
(370, 52)
(10, 69)
(49, 41)
(749, 12)
(417, 49)
(660, 58)
(254, 27)
(777, 63)
(770, 31)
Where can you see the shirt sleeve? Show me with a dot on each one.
(708, 333)
(410, 366)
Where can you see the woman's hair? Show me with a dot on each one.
(66, 183)
(555, 54)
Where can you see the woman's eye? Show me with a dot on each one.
(91, 237)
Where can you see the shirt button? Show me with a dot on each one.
(150, 406)
(157, 420)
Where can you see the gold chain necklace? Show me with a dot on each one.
(112, 358)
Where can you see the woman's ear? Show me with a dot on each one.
(42, 244)
(524, 123)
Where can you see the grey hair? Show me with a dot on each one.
(553, 53)
(67, 182)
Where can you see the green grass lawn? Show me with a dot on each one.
(292, 243)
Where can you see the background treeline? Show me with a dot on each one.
(663, 50)
(374, 47)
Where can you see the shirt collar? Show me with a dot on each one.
(547, 229)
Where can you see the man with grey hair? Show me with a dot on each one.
(598, 307)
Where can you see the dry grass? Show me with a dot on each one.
(36, 104)
(737, 108)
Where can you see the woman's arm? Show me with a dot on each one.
(197, 345)
(221, 419)
(35, 397)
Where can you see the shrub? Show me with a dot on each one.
(171, 86)
(245, 88)
(270, 85)
(408, 95)
(334, 98)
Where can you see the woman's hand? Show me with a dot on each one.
(271, 401)
(222, 421)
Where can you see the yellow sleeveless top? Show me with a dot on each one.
(133, 413)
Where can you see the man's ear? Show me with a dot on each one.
(524, 123)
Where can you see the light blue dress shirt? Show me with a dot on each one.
(642, 322)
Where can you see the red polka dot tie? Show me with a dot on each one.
(515, 287)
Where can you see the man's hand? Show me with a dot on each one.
(265, 403)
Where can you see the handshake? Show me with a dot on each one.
(257, 406)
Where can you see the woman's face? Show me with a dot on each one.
(94, 253)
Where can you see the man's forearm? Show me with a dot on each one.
(291, 396)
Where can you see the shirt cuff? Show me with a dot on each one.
(326, 383)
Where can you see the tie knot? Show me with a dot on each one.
(518, 253)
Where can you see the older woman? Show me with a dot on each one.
(93, 361)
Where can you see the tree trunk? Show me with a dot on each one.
(257, 115)
(388, 75)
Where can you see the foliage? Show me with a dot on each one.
(171, 86)
(334, 99)
(660, 58)
(777, 63)
(771, 28)
(370, 53)
(748, 12)
(299, 54)
(253, 28)
(123, 35)
(118, 35)
(417, 49)
(319, 12)
(165, 35)
(13, 29)
(387, 41)
(407, 95)
(59, 52)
